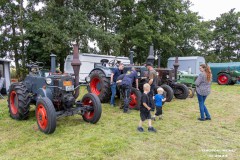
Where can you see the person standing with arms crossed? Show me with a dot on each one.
(203, 89)
(115, 74)
(152, 82)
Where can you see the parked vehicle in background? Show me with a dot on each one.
(89, 62)
(188, 64)
(166, 77)
(225, 73)
(189, 81)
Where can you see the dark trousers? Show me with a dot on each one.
(126, 90)
(150, 95)
(202, 107)
(158, 111)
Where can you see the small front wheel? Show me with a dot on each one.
(93, 113)
(46, 115)
(191, 92)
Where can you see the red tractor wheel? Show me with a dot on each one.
(18, 101)
(135, 99)
(100, 85)
(93, 106)
(223, 79)
(46, 115)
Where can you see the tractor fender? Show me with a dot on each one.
(44, 93)
(105, 70)
(223, 72)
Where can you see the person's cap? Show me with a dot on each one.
(149, 64)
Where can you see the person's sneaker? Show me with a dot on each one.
(140, 129)
(151, 129)
(208, 119)
(201, 119)
(153, 118)
(112, 105)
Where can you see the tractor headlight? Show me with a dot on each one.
(48, 81)
(139, 74)
(87, 79)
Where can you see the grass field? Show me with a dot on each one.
(180, 135)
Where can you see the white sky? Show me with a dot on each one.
(210, 9)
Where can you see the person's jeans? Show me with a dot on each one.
(113, 90)
(202, 107)
(126, 96)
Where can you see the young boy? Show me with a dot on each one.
(145, 110)
(159, 98)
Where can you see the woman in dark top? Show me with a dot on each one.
(203, 88)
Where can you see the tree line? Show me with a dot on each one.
(29, 33)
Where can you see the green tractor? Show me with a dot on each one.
(188, 80)
(225, 73)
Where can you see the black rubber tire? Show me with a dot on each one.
(225, 75)
(104, 82)
(191, 92)
(136, 94)
(232, 82)
(18, 101)
(45, 104)
(169, 92)
(95, 115)
(181, 91)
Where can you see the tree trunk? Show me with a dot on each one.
(14, 40)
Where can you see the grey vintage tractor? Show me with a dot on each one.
(99, 82)
(55, 96)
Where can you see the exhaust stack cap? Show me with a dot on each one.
(53, 63)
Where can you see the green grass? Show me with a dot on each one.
(180, 135)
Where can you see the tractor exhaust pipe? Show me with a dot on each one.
(176, 65)
(150, 57)
(53, 63)
(131, 57)
(76, 68)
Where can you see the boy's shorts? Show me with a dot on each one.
(145, 115)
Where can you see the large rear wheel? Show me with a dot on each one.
(135, 99)
(93, 108)
(100, 85)
(223, 79)
(18, 101)
(45, 115)
(181, 91)
(169, 92)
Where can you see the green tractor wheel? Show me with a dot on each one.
(181, 91)
(191, 92)
(223, 79)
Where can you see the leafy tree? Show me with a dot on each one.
(226, 39)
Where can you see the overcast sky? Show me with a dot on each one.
(210, 9)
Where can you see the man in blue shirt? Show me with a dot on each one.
(126, 84)
(115, 74)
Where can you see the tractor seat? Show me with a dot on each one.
(104, 62)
